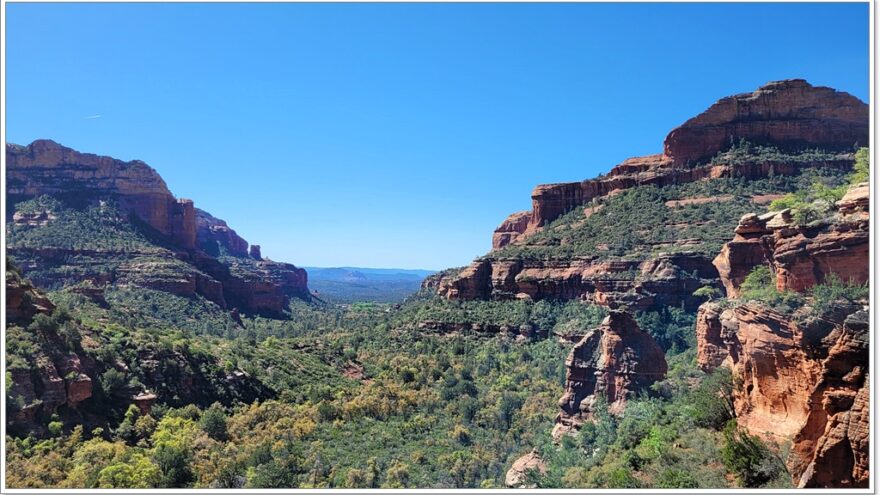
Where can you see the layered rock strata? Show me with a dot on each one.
(667, 280)
(801, 376)
(187, 265)
(800, 256)
(789, 114)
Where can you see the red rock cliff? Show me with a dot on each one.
(802, 381)
(667, 280)
(801, 377)
(800, 256)
(46, 167)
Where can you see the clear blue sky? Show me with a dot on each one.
(396, 135)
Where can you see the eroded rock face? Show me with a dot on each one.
(800, 256)
(800, 377)
(510, 229)
(46, 167)
(786, 114)
(831, 450)
(23, 302)
(213, 233)
(517, 475)
(805, 382)
(666, 280)
(613, 362)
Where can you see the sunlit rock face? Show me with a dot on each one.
(612, 363)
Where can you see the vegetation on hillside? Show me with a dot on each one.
(626, 225)
(371, 396)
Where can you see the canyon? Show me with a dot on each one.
(801, 377)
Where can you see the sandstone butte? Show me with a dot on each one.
(803, 378)
(257, 285)
(786, 114)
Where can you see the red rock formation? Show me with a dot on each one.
(800, 256)
(23, 302)
(786, 114)
(802, 377)
(212, 233)
(46, 167)
(612, 362)
(801, 381)
(665, 280)
(255, 252)
(510, 229)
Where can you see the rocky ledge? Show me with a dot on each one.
(800, 256)
(667, 280)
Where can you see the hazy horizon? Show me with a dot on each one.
(379, 135)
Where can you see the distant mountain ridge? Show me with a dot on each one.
(353, 272)
(352, 284)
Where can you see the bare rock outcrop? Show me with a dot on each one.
(800, 381)
(668, 279)
(510, 229)
(517, 475)
(612, 363)
(786, 114)
(800, 256)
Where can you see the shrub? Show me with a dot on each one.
(55, 428)
(759, 284)
(676, 478)
(708, 292)
(748, 458)
(710, 402)
(213, 422)
(861, 169)
(833, 289)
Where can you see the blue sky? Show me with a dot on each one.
(396, 135)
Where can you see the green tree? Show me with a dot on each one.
(213, 422)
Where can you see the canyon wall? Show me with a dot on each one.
(185, 263)
(46, 167)
(801, 376)
(667, 280)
